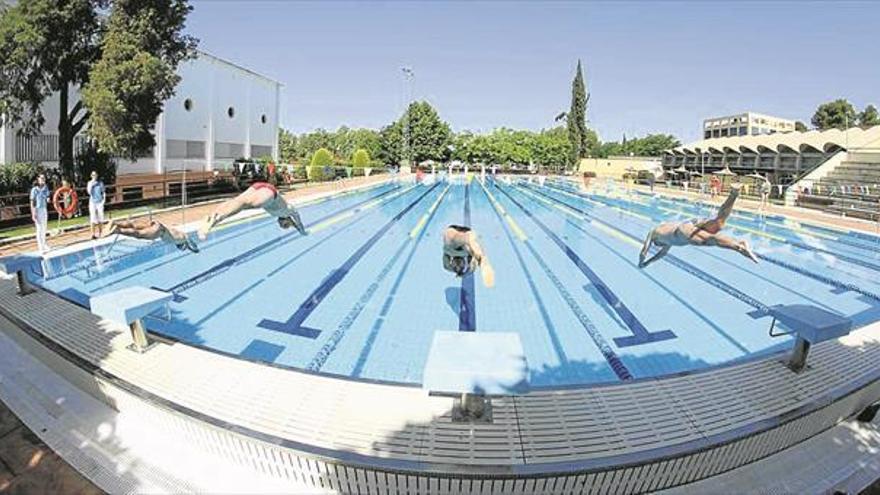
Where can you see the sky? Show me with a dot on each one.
(650, 67)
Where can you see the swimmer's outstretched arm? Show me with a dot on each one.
(487, 273)
(646, 247)
(224, 211)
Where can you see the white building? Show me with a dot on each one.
(745, 124)
(219, 112)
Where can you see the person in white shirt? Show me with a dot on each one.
(39, 202)
(95, 189)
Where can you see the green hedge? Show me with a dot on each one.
(17, 178)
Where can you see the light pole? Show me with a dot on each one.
(408, 77)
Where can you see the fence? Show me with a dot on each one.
(166, 191)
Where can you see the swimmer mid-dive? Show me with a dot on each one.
(702, 232)
(150, 230)
(462, 254)
(259, 195)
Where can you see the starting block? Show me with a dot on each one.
(129, 306)
(810, 325)
(18, 265)
(473, 365)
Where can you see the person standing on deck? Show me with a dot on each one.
(95, 189)
(696, 232)
(462, 254)
(259, 195)
(765, 194)
(39, 202)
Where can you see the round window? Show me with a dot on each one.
(263, 118)
(188, 104)
(230, 112)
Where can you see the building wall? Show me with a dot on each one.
(745, 124)
(615, 167)
(195, 131)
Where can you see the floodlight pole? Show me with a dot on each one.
(408, 77)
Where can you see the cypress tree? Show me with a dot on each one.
(577, 118)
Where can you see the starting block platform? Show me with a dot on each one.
(810, 325)
(129, 306)
(480, 363)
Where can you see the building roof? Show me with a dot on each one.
(201, 53)
(818, 141)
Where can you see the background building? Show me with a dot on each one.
(219, 112)
(745, 124)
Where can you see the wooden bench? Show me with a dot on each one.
(129, 306)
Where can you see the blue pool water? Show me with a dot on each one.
(364, 293)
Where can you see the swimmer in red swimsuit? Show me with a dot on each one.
(259, 195)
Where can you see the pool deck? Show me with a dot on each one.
(731, 414)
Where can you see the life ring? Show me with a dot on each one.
(65, 201)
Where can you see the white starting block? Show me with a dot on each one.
(129, 306)
(472, 366)
(810, 325)
(17, 265)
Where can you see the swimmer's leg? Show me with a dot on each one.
(740, 246)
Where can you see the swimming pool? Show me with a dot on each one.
(364, 293)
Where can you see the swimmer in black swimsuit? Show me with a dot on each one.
(462, 254)
(150, 230)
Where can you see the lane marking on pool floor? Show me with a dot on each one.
(791, 267)
(467, 303)
(502, 215)
(611, 358)
(224, 239)
(736, 292)
(267, 246)
(640, 333)
(791, 242)
(318, 361)
(294, 324)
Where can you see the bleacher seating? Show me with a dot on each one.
(851, 189)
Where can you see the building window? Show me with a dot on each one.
(178, 148)
(230, 112)
(263, 118)
(743, 131)
(707, 135)
(188, 104)
(228, 150)
(260, 151)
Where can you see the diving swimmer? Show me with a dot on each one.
(462, 254)
(258, 195)
(696, 232)
(150, 230)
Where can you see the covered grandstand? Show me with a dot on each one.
(781, 157)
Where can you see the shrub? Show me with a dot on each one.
(17, 178)
(322, 158)
(361, 158)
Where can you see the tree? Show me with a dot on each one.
(552, 148)
(47, 47)
(287, 148)
(869, 117)
(55, 46)
(428, 136)
(800, 126)
(837, 114)
(577, 119)
(136, 73)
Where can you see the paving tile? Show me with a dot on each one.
(21, 450)
(8, 421)
(51, 475)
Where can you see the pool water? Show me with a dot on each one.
(363, 294)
